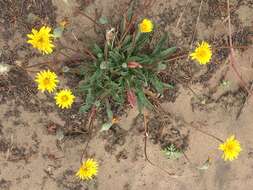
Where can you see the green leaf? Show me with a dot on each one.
(130, 10)
(97, 50)
(95, 76)
(97, 103)
(106, 126)
(171, 152)
(158, 85)
(103, 65)
(167, 52)
(109, 111)
(206, 165)
(168, 86)
(126, 43)
(115, 56)
(161, 66)
(123, 25)
(58, 32)
(139, 105)
(160, 44)
(143, 101)
(84, 108)
(31, 18)
(88, 102)
(103, 20)
(141, 41)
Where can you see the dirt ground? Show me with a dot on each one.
(40, 145)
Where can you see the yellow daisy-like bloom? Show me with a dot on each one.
(231, 148)
(88, 170)
(41, 40)
(46, 80)
(203, 53)
(146, 26)
(64, 98)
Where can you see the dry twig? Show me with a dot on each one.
(173, 175)
(195, 30)
(181, 15)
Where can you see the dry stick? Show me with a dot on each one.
(195, 30)
(181, 15)
(86, 50)
(145, 148)
(134, 18)
(206, 133)
(214, 49)
(232, 56)
(91, 118)
(38, 64)
(187, 86)
(64, 54)
(91, 19)
(228, 47)
(89, 124)
(177, 57)
(89, 53)
(161, 110)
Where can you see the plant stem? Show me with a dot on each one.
(145, 147)
(208, 134)
(232, 56)
(91, 19)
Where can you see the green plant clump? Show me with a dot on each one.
(171, 152)
(123, 68)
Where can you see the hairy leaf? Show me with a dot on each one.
(160, 44)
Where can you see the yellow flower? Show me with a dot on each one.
(64, 98)
(88, 170)
(231, 148)
(46, 80)
(41, 40)
(203, 53)
(146, 26)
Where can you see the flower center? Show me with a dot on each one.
(41, 40)
(144, 26)
(64, 98)
(46, 81)
(85, 168)
(202, 53)
(230, 147)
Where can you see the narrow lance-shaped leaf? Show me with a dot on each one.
(58, 32)
(103, 20)
(106, 126)
(160, 44)
(163, 54)
(157, 84)
(109, 111)
(143, 100)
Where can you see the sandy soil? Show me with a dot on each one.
(40, 146)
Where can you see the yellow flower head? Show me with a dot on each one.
(203, 53)
(46, 80)
(231, 148)
(64, 98)
(146, 26)
(88, 170)
(41, 40)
